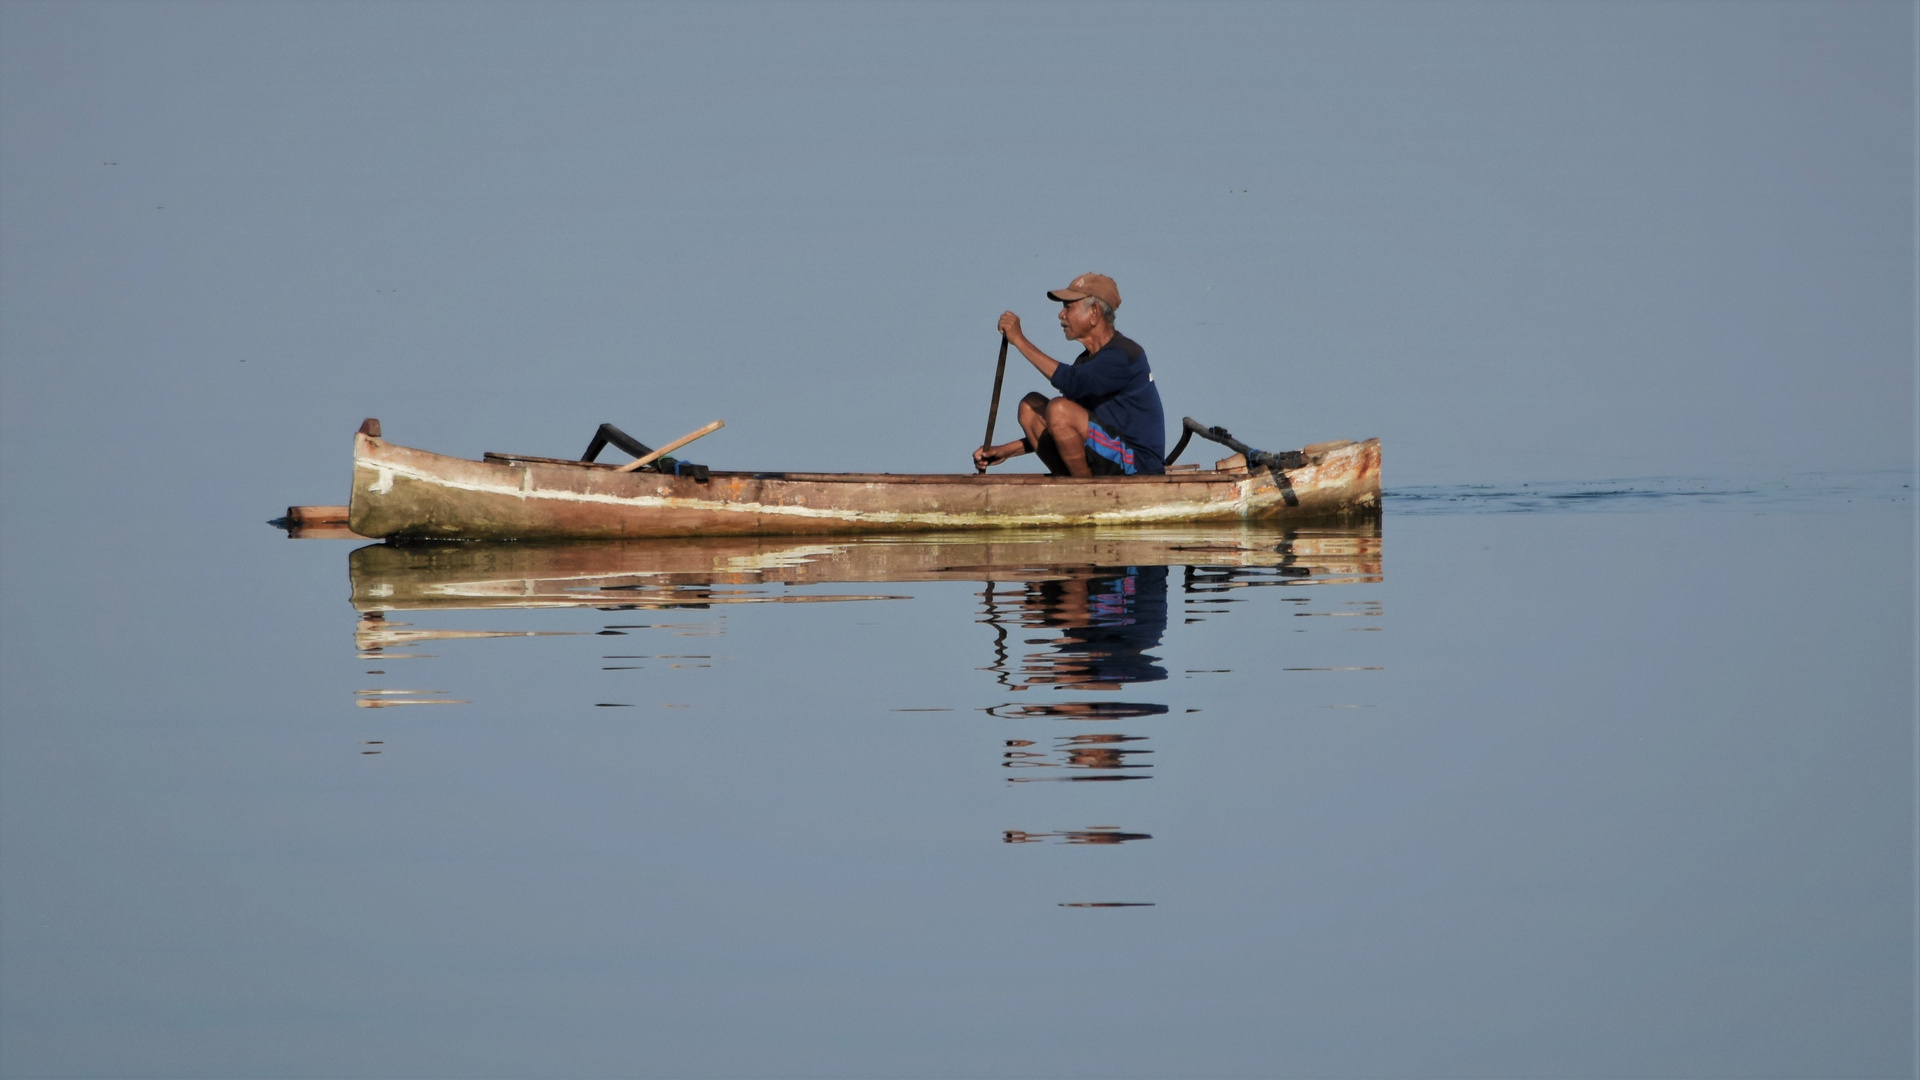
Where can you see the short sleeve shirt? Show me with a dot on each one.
(1115, 386)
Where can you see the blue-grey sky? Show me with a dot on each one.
(1515, 240)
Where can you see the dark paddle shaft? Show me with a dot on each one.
(993, 410)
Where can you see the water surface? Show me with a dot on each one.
(1543, 793)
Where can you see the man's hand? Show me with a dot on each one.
(993, 455)
(1010, 326)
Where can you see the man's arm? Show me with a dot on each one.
(1104, 374)
(1010, 326)
(993, 455)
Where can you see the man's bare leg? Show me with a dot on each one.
(1067, 422)
(1033, 421)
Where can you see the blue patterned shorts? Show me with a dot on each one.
(1107, 455)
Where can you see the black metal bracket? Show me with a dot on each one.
(1290, 459)
(608, 435)
(619, 439)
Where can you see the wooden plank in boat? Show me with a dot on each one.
(529, 459)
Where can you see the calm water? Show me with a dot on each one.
(1548, 780)
(1562, 780)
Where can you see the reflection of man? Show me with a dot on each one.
(1108, 619)
(1107, 420)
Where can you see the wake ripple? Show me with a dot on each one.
(1810, 491)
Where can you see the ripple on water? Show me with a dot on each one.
(1810, 491)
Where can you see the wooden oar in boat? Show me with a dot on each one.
(671, 447)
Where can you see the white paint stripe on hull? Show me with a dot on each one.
(385, 472)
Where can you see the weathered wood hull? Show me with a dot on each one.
(401, 492)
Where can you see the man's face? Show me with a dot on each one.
(1078, 318)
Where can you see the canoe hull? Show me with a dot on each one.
(405, 493)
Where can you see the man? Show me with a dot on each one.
(1107, 420)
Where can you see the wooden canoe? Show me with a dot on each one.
(406, 493)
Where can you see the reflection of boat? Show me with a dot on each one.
(672, 573)
(400, 492)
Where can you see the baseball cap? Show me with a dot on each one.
(1096, 285)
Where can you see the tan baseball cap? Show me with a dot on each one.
(1097, 285)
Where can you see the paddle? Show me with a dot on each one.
(672, 446)
(993, 410)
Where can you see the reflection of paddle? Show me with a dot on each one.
(993, 410)
(672, 446)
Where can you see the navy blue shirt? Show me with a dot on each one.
(1115, 385)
